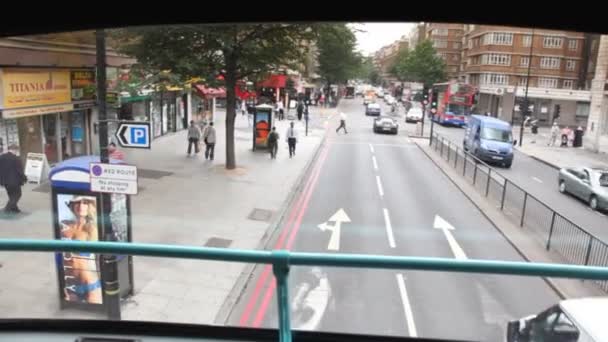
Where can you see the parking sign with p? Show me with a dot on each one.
(134, 134)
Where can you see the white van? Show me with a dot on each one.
(572, 320)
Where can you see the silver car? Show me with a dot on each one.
(386, 124)
(586, 183)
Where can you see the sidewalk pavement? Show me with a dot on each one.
(183, 200)
(536, 146)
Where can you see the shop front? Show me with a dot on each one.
(47, 111)
(206, 102)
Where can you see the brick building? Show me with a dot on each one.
(447, 40)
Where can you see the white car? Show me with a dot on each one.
(389, 100)
(380, 94)
(414, 115)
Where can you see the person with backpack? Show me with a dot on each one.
(273, 143)
(209, 139)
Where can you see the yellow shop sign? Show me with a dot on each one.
(35, 87)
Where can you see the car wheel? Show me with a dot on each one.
(593, 202)
(562, 187)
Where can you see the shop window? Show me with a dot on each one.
(9, 134)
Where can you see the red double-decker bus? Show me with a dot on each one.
(455, 102)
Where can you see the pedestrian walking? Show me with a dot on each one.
(554, 134)
(209, 139)
(194, 135)
(273, 143)
(12, 178)
(243, 107)
(281, 110)
(115, 153)
(300, 110)
(342, 123)
(292, 139)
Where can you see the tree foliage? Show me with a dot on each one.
(420, 65)
(235, 52)
(337, 56)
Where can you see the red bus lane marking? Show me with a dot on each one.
(259, 317)
(268, 268)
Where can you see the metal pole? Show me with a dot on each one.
(109, 269)
(589, 250)
(488, 182)
(523, 210)
(474, 174)
(422, 124)
(432, 122)
(526, 105)
(281, 272)
(504, 191)
(442, 143)
(551, 230)
(456, 158)
(464, 164)
(449, 148)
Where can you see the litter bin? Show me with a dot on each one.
(534, 129)
(578, 137)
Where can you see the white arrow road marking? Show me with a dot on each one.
(407, 308)
(371, 148)
(334, 240)
(315, 300)
(375, 163)
(444, 225)
(389, 229)
(380, 190)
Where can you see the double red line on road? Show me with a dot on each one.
(291, 227)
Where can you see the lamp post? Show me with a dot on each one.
(526, 107)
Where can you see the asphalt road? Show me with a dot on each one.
(388, 197)
(540, 180)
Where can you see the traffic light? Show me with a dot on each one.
(425, 95)
(434, 102)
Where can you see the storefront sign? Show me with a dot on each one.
(34, 166)
(20, 113)
(112, 178)
(35, 87)
(83, 85)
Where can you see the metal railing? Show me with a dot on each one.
(282, 260)
(553, 230)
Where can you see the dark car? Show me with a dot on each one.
(386, 124)
(373, 109)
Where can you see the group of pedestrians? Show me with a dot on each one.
(291, 137)
(207, 135)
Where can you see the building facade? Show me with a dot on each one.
(447, 40)
(555, 66)
(385, 57)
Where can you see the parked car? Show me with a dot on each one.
(373, 109)
(588, 184)
(386, 124)
(414, 115)
(489, 139)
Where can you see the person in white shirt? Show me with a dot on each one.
(280, 110)
(342, 123)
(292, 138)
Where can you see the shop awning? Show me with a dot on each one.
(274, 81)
(244, 94)
(207, 92)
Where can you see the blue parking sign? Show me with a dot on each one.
(134, 134)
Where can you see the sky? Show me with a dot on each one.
(378, 35)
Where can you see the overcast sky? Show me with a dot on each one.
(378, 35)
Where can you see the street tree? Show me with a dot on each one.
(219, 54)
(420, 65)
(337, 56)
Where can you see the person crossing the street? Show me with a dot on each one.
(292, 139)
(342, 123)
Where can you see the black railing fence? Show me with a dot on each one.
(557, 233)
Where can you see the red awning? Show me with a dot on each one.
(207, 92)
(274, 81)
(244, 94)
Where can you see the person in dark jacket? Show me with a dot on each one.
(12, 178)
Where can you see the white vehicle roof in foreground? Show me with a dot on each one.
(590, 314)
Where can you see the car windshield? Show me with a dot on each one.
(603, 179)
(245, 137)
(496, 134)
(457, 109)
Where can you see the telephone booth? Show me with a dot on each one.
(262, 124)
(77, 216)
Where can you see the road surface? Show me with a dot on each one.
(379, 194)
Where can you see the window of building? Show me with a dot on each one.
(524, 61)
(494, 79)
(456, 45)
(582, 109)
(546, 82)
(498, 38)
(573, 44)
(570, 65)
(470, 43)
(440, 43)
(568, 84)
(455, 58)
(440, 32)
(496, 59)
(526, 40)
(553, 42)
(522, 81)
(549, 62)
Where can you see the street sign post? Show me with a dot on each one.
(113, 178)
(134, 134)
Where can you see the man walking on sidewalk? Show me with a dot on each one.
(554, 134)
(273, 143)
(292, 138)
(12, 178)
(194, 135)
(209, 138)
(342, 123)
